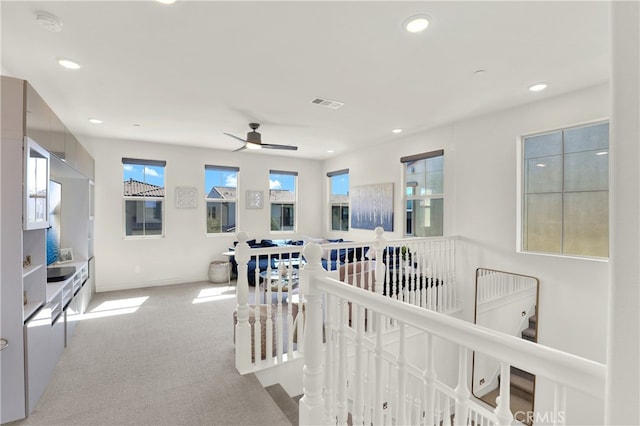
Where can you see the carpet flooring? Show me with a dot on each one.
(155, 356)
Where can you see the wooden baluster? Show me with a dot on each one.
(369, 382)
(437, 414)
(257, 332)
(342, 409)
(377, 401)
(429, 377)
(243, 329)
(402, 378)
(503, 408)
(379, 265)
(279, 333)
(462, 390)
(330, 347)
(312, 403)
(358, 399)
(559, 405)
(269, 320)
(446, 416)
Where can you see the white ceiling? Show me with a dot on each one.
(188, 72)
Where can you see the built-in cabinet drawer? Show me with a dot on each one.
(44, 343)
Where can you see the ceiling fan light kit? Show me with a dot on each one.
(254, 141)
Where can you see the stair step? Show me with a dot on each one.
(533, 319)
(515, 371)
(522, 387)
(529, 334)
(287, 404)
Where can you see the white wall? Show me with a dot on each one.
(185, 252)
(481, 206)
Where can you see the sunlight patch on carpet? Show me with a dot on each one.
(213, 294)
(116, 307)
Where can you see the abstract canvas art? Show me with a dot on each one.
(372, 206)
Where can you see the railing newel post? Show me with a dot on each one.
(312, 404)
(243, 329)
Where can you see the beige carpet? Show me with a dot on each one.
(155, 356)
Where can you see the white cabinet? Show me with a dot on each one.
(37, 317)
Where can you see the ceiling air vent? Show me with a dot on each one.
(328, 103)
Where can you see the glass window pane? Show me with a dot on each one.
(586, 223)
(221, 217)
(143, 217)
(336, 218)
(345, 218)
(543, 223)
(543, 145)
(428, 217)
(339, 185)
(282, 187)
(586, 171)
(153, 217)
(220, 183)
(276, 217)
(425, 177)
(543, 174)
(588, 138)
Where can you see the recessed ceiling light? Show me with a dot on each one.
(330, 151)
(69, 63)
(95, 121)
(49, 22)
(538, 87)
(166, 1)
(417, 23)
(396, 131)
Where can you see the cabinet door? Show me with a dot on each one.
(57, 137)
(70, 149)
(36, 186)
(37, 118)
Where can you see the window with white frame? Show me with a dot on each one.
(143, 193)
(221, 196)
(424, 194)
(339, 199)
(282, 197)
(565, 191)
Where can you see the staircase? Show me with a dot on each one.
(288, 405)
(522, 382)
(530, 332)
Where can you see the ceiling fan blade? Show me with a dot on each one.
(240, 149)
(274, 146)
(235, 137)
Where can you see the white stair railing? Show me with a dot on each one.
(266, 313)
(411, 394)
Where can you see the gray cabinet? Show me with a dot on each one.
(44, 344)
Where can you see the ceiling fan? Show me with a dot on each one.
(254, 141)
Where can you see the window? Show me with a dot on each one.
(143, 197)
(282, 195)
(221, 189)
(565, 191)
(339, 199)
(424, 194)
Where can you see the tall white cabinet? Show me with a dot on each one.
(37, 318)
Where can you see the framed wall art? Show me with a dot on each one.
(186, 197)
(372, 206)
(255, 199)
